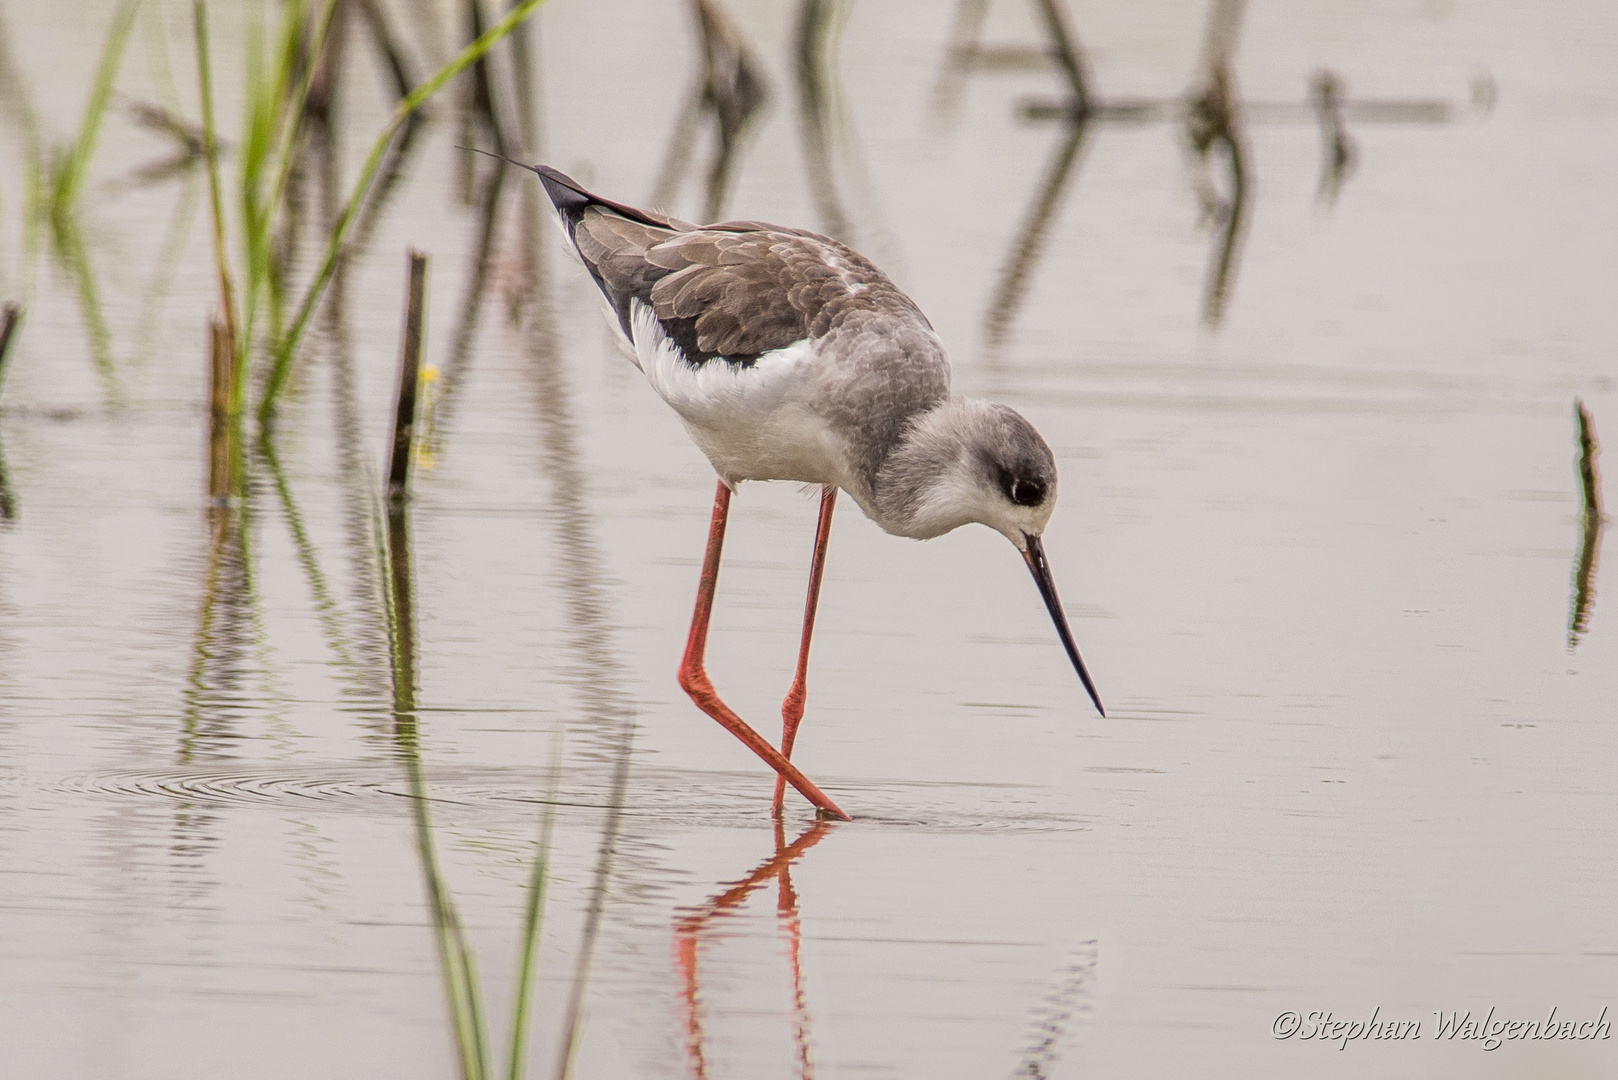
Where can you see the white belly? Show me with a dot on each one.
(754, 422)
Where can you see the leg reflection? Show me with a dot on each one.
(688, 930)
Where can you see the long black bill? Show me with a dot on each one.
(1035, 557)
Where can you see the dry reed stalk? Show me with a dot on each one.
(404, 413)
(221, 353)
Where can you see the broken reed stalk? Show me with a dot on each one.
(223, 377)
(288, 347)
(8, 329)
(404, 411)
(1589, 450)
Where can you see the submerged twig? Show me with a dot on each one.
(1593, 519)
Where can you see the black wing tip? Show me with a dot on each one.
(571, 199)
(565, 193)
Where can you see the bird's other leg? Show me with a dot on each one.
(694, 679)
(792, 707)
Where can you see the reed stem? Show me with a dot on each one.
(210, 151)
(404, 411)
(222, 377)
(334, 248)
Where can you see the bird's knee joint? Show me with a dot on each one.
(694, 681)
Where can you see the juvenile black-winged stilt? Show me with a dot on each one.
(789, 356)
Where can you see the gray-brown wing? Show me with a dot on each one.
(735, 290)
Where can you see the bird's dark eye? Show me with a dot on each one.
(1027, 492)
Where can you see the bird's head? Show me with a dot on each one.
(971, 461)
(974, 461)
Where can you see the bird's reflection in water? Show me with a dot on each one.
(690, 927)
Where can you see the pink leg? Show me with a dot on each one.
(694, 679)
(792, 707)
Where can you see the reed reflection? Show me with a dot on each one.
(358, 500)
(218, 687)
(1213, 130)
(457, 362)
(1212, 117)
(10, 320)
(1064, 51)
(594, 670)
(1592, 518)
(1029, 242)
(1338, 153)
(689, 929)
(731, 92)
(479, 117)
(1068, 1004)
(457, 965)
(819, 109)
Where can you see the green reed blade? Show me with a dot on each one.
(471, 54)
(70, 174)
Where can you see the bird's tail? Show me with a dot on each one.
(571, 200)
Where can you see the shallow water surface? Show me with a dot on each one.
(1320, 534)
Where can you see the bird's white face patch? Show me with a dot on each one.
(962, 494)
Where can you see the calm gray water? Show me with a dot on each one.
(1323, 559)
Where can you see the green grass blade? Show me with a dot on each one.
(532, 918)
(210, 152)
(69, 181)
(334, 248)
(77, 260)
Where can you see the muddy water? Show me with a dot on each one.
(1323, 557)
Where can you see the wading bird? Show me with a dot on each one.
(788, 356)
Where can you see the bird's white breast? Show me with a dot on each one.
(754, 422)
